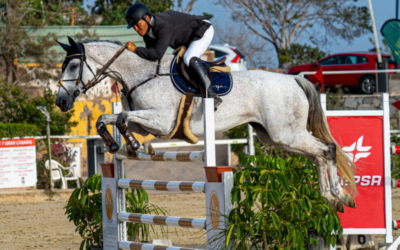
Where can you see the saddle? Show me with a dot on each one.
(218, 65)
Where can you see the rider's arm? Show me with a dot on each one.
(156, 52)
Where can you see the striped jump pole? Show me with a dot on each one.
(395, 149)
(139, 246)
(396, 183)
(163, 156)
(163, 220)
(396, 224)
(196, 187)
(217, 189)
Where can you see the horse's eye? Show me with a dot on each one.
(74, 66)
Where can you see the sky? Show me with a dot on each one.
(383, 10)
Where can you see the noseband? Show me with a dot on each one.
(98, 77)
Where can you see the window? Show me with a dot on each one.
(362, 59)
(333, 60)
(351, 60)
(219, 53)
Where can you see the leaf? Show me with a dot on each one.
(275, 220)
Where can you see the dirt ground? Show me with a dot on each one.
(31, 220)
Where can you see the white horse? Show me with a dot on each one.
(282, 109)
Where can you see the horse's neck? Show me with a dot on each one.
(128, 69)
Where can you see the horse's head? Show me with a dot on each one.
(75, 75)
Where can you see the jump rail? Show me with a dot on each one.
(139, 246)
(198, 187)
(217, 193)
(163, 156)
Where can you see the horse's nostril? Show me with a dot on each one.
(63, 103)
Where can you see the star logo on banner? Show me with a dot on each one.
(357, 151)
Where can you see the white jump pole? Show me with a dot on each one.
(119, 173)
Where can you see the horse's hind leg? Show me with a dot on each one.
(319, 161)
(336, 189)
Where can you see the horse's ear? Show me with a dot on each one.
(73, 44)
(66, 47)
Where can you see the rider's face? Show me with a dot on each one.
(141, 27)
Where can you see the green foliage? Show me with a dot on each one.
(157, 6)
(113, 11)
(16, 107)
(395, 140)
(277, 202)
(49, 11)
(20, 20)
(298, 54)
(11, 130)
(138, 202)
(84, 208)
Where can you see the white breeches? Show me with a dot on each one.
(198, 47)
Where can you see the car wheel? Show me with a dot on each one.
(368, 84)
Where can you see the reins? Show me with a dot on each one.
(98, 77)
(147, 80)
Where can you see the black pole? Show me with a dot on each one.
(397, 9)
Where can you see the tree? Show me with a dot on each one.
(21, 19)
(298, 54)
(254, 47)
(112, 12)
(16, 107)
(283, 22)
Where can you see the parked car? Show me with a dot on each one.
(366, 82)
(234, 57)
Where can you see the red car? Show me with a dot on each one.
(346, 61)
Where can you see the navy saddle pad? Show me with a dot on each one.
(221, 82)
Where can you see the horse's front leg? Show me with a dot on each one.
(101, 126)
(145, 118)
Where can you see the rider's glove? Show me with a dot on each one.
(130, 46)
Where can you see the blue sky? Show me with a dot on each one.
(383, 10)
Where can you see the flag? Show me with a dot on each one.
(320, 78)
(391, 32)
(396, 104)
(114, 88)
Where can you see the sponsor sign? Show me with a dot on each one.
(361, 138)
(18, 163)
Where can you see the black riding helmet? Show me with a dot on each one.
(135, 13)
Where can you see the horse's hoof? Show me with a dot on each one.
(350, 201)
(113, 148)
(346, 198)
(339, 207)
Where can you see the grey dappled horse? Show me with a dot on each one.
(282, 109)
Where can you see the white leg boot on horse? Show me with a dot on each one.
(285, 108)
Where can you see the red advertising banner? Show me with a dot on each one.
(362, 139)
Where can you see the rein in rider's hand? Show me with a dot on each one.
(130, 46)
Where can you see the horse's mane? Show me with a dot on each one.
(99, 41)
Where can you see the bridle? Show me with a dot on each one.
(98, 77)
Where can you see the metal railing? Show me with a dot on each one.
(341, 72)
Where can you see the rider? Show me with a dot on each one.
(173, 29)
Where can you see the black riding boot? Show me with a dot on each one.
(200, 76)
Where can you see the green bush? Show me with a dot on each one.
(277, 202)
(17, 107)
(11, 130)
(84, 208)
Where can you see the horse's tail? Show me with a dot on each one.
(318, 125)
